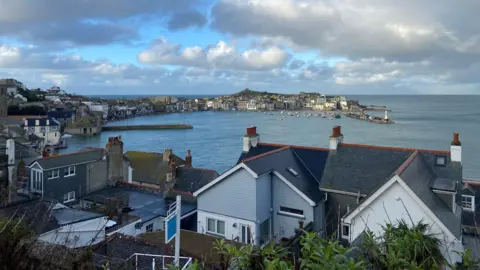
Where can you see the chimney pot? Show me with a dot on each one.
(456, 139)
(252, 131)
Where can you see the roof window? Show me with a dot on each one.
(441, 161)
(292, 171)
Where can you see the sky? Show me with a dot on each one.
(153, 47)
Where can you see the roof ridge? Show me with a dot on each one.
(294, 146)
(304, 165)
(265, 154)
(71, 154)
(396, 148)
(406, 163)
(202, 169)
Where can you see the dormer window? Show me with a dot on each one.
(441, 161)
(468, 202)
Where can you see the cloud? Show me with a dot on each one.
(219, 56)
(90, 22)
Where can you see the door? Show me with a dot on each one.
(245, 234)
(37, 181)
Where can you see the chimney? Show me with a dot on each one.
(456, 148)
(250, 139)
(172, 172)
(166, 154)
(336, 138)
(188, 159)
(114, 149)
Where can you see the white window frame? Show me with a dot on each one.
(248, 232)
(69, 172)
(290, 213)
(472, 207)
(69, 197)
(215, 232)
(149, 227)
(345, 236)
(36, 178)
(53, 174)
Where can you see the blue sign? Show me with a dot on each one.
(171, 228)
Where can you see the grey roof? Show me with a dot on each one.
(10, 121)
(260, 149)
(419, 178)
(146, 205)
(192, 179)
(31, 122)
(65, 216)
(70, 159)
(363, 169)
(281, 160)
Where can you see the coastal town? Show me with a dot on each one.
(53, 112)
(119, 206)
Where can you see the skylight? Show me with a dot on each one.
(292, 171)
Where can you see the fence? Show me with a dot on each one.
(154, 262)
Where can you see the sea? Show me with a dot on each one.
(426, 122)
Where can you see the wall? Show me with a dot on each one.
(237, 196)
(375, 215)
(284, 226)
(130, 229)
(231, 232)
(97, 177)
(90, 130)
(335, 208)
(56, 188)
(158, 225)
(78, 234)
(264, 197)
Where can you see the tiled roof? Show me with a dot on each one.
(419, 177)
(359, 169)
(71, 159)
(281, 160)
(149, 167)
(192, 179)
(42, 121)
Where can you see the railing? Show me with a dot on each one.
(151, 261)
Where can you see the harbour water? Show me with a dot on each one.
(216, 140)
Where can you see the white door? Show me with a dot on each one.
(37, 181)
(245, 234)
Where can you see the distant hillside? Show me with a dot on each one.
(248, 92)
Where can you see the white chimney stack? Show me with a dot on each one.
(456, 149)
(251, 139)
(336, 138)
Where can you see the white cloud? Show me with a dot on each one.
(220, 56)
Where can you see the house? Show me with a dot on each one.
(55, 223)
(135, 209)
(46, 128)
(98, 107)
(166, 171)
(63, 116)
(471, 216)
(66, 178)
(342, 190)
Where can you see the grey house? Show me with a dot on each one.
(275, 187)
(66, 178)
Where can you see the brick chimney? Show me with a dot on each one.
(166, 154)
(456, 148)
(172, 173)
(188, 159)
(250, 139)
(336, 138)
(114, 149)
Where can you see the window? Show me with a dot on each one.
(53, 128)
(215, 226)
(468, 202)
(37, 181)
(345, 231)
(69, 197)
(441, 160)
(245, 234)
(149, 228)
(53, 174)
(69, 171)
(291, 212)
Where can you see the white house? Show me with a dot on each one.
(46, 128)
(98, 107)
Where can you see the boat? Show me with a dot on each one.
(323, 115)
(281, 112)
(338, 116)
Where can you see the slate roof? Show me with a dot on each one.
(31, 122)
(359, 168)
(71, 159)
(260, 149)
(419, 177)
(289, 157)
(192, 179)
(149, 167)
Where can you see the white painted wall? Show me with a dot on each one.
(386, 209)
(78, 234)
(231, 232)
(129, 229)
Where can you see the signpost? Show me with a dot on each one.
(172, 226)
